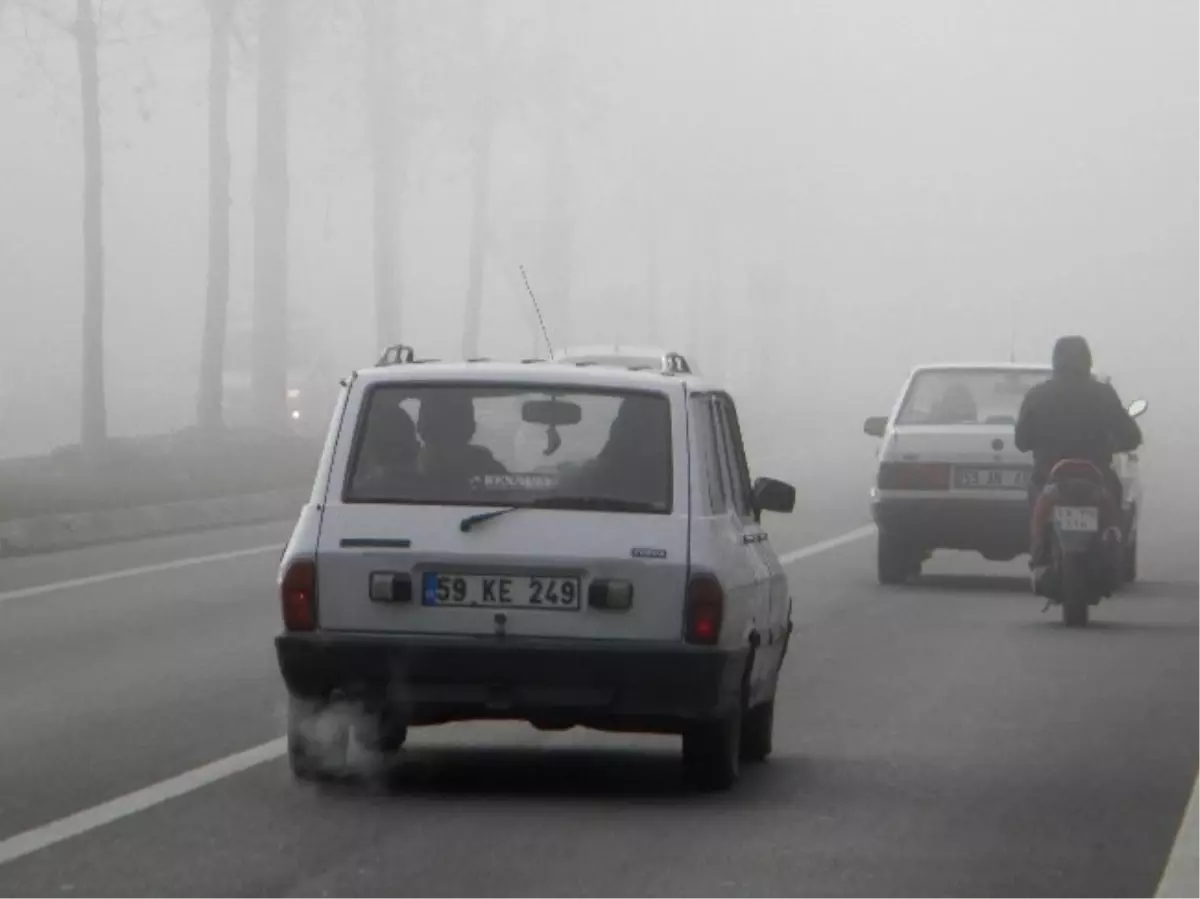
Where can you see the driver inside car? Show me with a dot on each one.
(956, 406)
(1072, 415)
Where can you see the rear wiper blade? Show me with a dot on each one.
(585, 503)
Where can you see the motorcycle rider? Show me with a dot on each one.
(1072, 415)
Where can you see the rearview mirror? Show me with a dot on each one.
(552, 413)
(1138, 407)
(771, 495)
(875, 426)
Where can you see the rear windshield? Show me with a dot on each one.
(477, 445)
(967, 397)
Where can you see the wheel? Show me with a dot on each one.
(1074, 591)
(317, 742)
(381, 733)
(712, 752)
(758, 726)
(1129, 562)
(895, 562)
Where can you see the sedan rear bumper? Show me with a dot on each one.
(999, 529)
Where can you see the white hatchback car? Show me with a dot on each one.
(949, 476)
(544, 542)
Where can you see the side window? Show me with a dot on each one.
(735, 457)
(704, 427)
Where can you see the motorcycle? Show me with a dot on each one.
(1081, 520)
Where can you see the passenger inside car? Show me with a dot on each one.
(446, 422)
(389, 450)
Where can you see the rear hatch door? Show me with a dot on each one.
(526, 572)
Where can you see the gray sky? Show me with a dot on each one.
(911, 177)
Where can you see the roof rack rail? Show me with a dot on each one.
(667, 362)
(397, 354)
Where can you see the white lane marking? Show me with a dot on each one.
(42, 589)
(47, 835)
(106, 813)
(825, 545)
(1181, 877)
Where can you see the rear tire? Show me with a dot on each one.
(1074, 575)
(895, 562)
(758, 729)
(381, 734)
(317, 746)
(1129, 562)
(712, 752)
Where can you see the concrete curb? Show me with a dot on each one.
(53, 533)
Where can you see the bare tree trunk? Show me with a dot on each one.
(94, 426)
(212, 351)
(271, 219)
(481, 188)
(387, 150)
(558, 236)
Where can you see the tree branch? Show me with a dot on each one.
(34, 8)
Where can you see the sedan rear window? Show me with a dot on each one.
(968, 396)
(489, 445)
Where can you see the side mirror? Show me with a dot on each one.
(1137, 408)
(876, 426)
(771, 495)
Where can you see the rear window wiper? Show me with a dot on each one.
(585, 503)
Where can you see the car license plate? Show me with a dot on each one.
(991, 478)
(472, 591)
(1077, 518)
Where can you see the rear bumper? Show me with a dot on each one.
(998, 528)
(438, 679)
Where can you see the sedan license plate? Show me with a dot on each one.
(1077, 518)
(991, 478)
(472, 591)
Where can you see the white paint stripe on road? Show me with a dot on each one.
(1181, 877)
(47, 835)
(97, 816)
(825, 545)
(58, 586)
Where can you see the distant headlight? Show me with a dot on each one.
(295, 414)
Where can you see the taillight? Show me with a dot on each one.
(298, 592)
(914, 476)
(705, 607)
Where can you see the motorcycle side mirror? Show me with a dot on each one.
(1137, 408)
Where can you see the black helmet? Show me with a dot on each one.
(1072, 356)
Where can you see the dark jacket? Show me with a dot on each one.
(1074, 417)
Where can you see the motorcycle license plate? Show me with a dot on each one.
(1077, 518)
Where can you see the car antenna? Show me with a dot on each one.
(538, 310)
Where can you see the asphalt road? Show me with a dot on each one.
(940, 739)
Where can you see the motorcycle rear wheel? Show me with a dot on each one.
(1073, 574)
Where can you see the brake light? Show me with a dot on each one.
(298, 593)
(705, 607)
(1075, 468)
(914, 476)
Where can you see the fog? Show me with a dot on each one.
(810, 197)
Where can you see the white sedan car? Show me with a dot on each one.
(950, 476)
